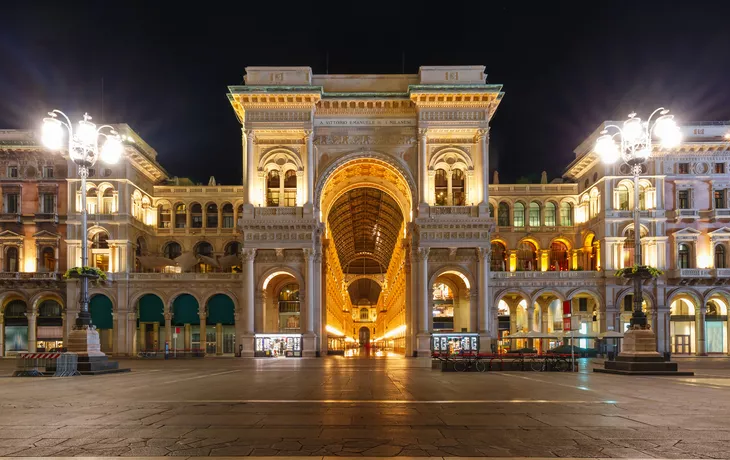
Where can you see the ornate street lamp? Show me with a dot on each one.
(83, 149)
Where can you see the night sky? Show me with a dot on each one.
(565, 66)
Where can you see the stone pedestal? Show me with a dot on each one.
(309, 345)
(639, 357)
(423, 345)
(86, 344)
(247, 341)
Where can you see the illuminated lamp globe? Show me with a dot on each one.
(643, 153)
(86, 132)
(633, 129)
(52, 134)
(607, 149)
(111, 152)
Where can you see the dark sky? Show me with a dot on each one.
(565, 66)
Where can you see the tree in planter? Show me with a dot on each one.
(637, 274)
(92, 273)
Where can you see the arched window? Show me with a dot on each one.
(441, 188)
(239, 210)
(503, 215)
(491, 210)
(499, 257)
(204, 251)
(457, 188)
(49, 309)
(594, 256)
(526, 256)
(172, 250)
(519, 215)
(683, 260)
(107, 201)
(566, 214)
(227, 212)
(534, 214)
(550, 214)
(48, 259)
(100, 240)
(364, 314)
(92, 200)
(622, 197)
(642, 197)
(211, 215)
(181, 217)
(290, 188)
(232, 248)
(196, 215)
(137, 206)
(11, 259)
(720, 261)
(712, 309)
(273, 188)
(595, 203)
(15, 309)
(164, 216)
(289, 308)
(558, 256)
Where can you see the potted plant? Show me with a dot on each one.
(92, 273)
(645, 272)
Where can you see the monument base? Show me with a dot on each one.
(639, 357)
(91, 360)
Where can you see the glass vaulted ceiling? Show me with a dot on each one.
(364, 225)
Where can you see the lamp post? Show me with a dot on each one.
(634, 148)
(83, 150)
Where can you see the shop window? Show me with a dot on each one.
(211, 216)
(534, 214)
(720, 260)
(164, 216)
(11, 203)
(290, 188)
(289, 308)
(12, 259)
(519, 215)
(683, 199)
(273, 185)
(48, 258)
(499, 257)
(457, 188)
(172, 250)
(720, 199)
(719, 168)
(526, 256)
(683, 253)
(683, 168)
(180, 215)
(227, 213)
(196, 215)
(566, 215)
(550, 214)
(503, 215)
(558, 256)
(443, 308)
(441, 187)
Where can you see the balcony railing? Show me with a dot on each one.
(547, 275)
(435, 211)
(278, 211)
(46, 217)
(195, 231)
(182, 276)
(722, 272)
(10, 217)
(52, 276)
(687, 213)
(720, 214)
(691, 273)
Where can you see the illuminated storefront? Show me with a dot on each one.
(278, 345)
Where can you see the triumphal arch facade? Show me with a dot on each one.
(362, 193)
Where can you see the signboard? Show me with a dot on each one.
(567, 324)
(177, 330)
(690, 132)
(566, 308)
(364, 122)
(174, 336)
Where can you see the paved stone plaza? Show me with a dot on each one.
(363, 407)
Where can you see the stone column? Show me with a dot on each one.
(130, 332)
(530, 322)
(203, 329)
(473, 296)
(188, 339)
(249, 308)
(422, 169)
(661, 327)
(219, 339)
(309, 171)
(410, 324)
(423, 339)
(485, 335)
(449, 193)
(309, 346)
(483, 140)
(32, 342)
(2, 336)
(156, 336)
(168, 330)
(701, 347)
(317, 319)
(248, 168)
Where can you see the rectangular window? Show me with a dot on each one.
(13, 171)
(719, 168)
(227, 221)
(48, 172)
(683, 199)
(628, 306)
(48, 203)
(534, 216)
(582, 304)
(290, 197)
(683, 168)
(720, 201)
(12, 203)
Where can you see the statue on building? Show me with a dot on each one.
(495, 177)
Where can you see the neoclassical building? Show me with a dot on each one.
(367, 215)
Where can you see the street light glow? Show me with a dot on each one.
(111, 152)
(607, 149)
(52, 134)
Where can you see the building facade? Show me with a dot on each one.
(366, 216)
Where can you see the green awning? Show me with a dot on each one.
(185, 310)
(101, 312)
(220, 310)
(151, 309)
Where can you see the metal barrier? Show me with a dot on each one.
(67, 365)
(29, 364)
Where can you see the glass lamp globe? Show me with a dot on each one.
(52, 134)
(633, 129)
(607, 149)
(86, 132)
(112, 150)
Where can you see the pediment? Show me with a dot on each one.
(687, 234)
(9, 234)
(720, 234)
(44, 234)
